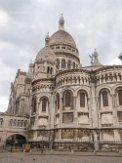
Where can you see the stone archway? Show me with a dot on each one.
(15, 140)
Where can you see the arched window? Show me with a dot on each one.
(68, 99)
(1, 121)
(14, 122)
(21, 123)
(58, 63)
(120, 96)
(69, 64)
(119, 115)
(51, 70)
(105, 98)
(33, 105)
(63, 63)
(44, 104)
(25, 123)
(18, 123)
(73, 64)
(57, 101)
(48, 70)
(82, 99)
(32, 120)
(11, 122)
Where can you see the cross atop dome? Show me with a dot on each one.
(61, 22)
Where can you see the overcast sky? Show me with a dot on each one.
(25, 23)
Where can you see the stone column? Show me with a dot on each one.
(94, 114)
(52, 110)
(59, 64)
(36, 115)
(35, 136)
(114, 106)
(101, 137)
(96, 141)
(90, 112)
(117, 135)
(75, 109)
(94, 110)
(59, 134)
(61, 108)
(97, 99)
(76, 134)
(4, 137)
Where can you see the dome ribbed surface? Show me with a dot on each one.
(46, 54)
(62, 37)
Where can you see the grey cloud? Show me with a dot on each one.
(11, 5)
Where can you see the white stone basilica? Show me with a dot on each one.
(63, 104)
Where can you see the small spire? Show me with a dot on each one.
(61, 22)
(47, 39)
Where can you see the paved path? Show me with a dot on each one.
(60, 157)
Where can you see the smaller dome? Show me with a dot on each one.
(46, 54)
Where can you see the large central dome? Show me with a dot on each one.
(60, 49)
(62, 37)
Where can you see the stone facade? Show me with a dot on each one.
(11, 125)
(67, 105)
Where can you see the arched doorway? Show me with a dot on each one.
(15, 140)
